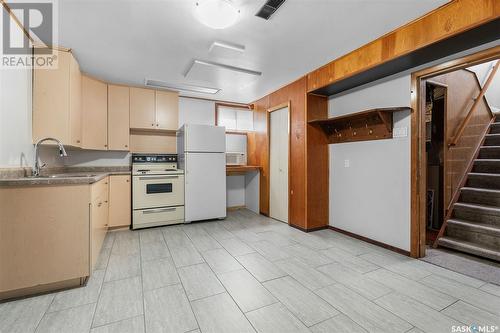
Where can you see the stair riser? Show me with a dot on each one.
(486, 167)
(474, 215)
(492, 141)
(494, 256)
(480, 198)
(481, 239)
(483, 182)
(489, 153)
(495, 129)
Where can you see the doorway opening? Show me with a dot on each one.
(435, 115)
(279, 152)
(453, 116)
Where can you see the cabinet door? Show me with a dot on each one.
(51, 101)
(99, 217)
(95, 114)
(118, 117)
(167, 110)
(142, 108)
(119, 201)
(75, 103)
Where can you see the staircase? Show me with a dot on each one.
(474, 225)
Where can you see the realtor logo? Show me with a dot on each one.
(26, 25)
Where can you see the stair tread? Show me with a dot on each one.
(489, 147)
(478, 206)
(491, 135)
(469, 247)
(478, 226)
(484, 174)
(488, 160)
(480, 189)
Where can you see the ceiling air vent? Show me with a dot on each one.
(269, 8)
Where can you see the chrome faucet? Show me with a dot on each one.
(38, 164)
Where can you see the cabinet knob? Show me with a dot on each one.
(128, 181)
(126, 146)
(105, 145)
(77, 141)
(157, 125)
(152, 125)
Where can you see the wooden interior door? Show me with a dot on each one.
(278, 164)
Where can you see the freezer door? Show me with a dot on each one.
(204, 138)
(205, 195)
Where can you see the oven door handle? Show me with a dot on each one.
(154, 211)
(157, 177)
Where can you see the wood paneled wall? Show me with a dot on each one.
(462, 88)
(450, 19)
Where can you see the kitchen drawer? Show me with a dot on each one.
(158, 216)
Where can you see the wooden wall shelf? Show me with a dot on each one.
(374, 124)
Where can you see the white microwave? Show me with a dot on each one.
(236, 158)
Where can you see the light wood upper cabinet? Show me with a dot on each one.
(57, 101)
(119, 201)
(142, 108)
(118, 117)
(94, 114)
(167, 110)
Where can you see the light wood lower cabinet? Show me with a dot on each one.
(99, 206)
(44, 238)
(119, 201)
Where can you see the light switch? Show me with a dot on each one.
(400, 132)
(346, 163)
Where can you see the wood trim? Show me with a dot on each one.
(238, 132)
(418, 159)
(269, 110)
(371, 241)
(309, 229)
(279, 107)
(441, 23)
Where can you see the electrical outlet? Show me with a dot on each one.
(347, 163)
(400, 132)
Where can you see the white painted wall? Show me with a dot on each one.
(493, 93)
(16, 148)
(371, 197)
(196, 111)
(235, 195)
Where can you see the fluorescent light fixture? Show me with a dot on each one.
(217, 14)
(226, 45)
(223, 66)
(180, 87)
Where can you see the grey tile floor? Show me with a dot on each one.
(249, 273)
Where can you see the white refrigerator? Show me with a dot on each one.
(201, 153)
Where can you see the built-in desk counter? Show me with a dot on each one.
(233, 170)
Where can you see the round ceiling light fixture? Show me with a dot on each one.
(217, 14)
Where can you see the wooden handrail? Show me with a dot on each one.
(466, 120)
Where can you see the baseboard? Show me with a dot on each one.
(308, 229)
(233, 208)
(371, 241)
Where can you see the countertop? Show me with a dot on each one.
(65, 176)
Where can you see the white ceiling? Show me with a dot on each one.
(125, 41)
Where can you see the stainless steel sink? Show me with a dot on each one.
(64, 175)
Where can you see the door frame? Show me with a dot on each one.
(268, 121)
(418, 166)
